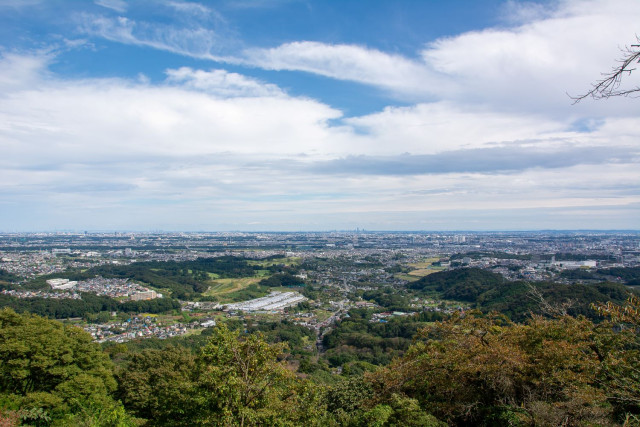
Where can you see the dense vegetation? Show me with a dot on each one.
(629, 275)
(489, 291)
(7, 277)
(357, 338)
(526, 354)
(282, 279)
(472, 369)
(183, 279)
(88, 305)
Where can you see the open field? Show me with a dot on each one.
(225, 286)
(421, 272)
(407, 277)
(421, 269)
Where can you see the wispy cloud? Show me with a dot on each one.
(117, 5)
(190, 8)
(347, 62)
(198, 42)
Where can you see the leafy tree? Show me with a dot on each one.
(235, 380)
(53, 372)
(476, 369)
(241, 380)
(619, 344)
(159, 385)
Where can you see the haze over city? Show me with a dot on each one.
(315, 115)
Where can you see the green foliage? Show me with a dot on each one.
(401, 411)
(235, 380)
(478, 369)
(51, 372)
(472, 369)
(241, 378)
(389, 298)
(464, 284)
(185, 279)
(7, 277)
(491, 292)
(348, 399)
(619, 346)
(282, 279)
(296, 336)
(515, 299)
(630, 275)
(357, 339)
(578, 274)
(159, 385)
(90, 304)
(627, 274)
(352, 403)
(250, 292)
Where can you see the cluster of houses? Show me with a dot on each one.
(142, 327)
(114, 288)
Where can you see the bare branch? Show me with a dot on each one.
(548, 309)
(610, 84)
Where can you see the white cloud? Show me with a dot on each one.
(222, 83)
(348, 62)
(537, 63)
(548, 51)
(214, 149)
(436, 127)
(21, 71)
(527, 67)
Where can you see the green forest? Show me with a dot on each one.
(517, 354)
(470, 369)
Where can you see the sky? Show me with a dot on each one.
(305, 115)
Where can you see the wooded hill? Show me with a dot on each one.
(490, 291)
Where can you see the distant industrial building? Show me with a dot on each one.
(146, 295)
(208, 324)
(274, 301)
(575, 264)
(60, 251)
(61, 284)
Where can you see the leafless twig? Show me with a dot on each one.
(552, 310)
(609, 85)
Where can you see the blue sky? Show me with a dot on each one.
(315, 115)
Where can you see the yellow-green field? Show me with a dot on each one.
(420, 269)
(225, 286)
(421, 272)
(407, 277)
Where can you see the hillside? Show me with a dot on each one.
(489, 291)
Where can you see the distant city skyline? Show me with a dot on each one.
(306, 115)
